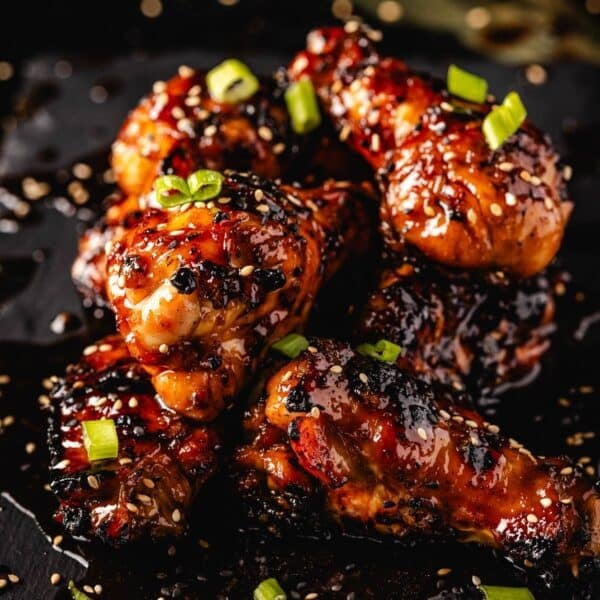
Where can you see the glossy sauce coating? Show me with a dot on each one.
(201, 291)
(474, 331)
(445, 192)
(162, 460)
(392, 453)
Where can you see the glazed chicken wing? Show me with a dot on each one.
(162, 461)
(474, 331)
(445, 192)
(382, 449)
(200, 292)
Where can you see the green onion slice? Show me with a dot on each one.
(100, 439)
(504, 120)
(302, 105)
(466, 85)
(75, 593)
(205, 184)
(269, 589)
(291, 345)
(492, 592)
(383, 350)
(231, 81)
(171, 190)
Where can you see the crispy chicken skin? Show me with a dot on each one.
(444, 191)
(200, 293)
(162, 462)
(474, 331)
(390, 452)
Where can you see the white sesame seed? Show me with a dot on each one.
(506, 166)
(566, 471)
(30, 448)
(4, 379)
(125, 461)
(511, 199)
(90, 350)
(525, 175)
(476, 581)
(98, 589)
(336, 369)
(88, 589)
(263, 208)
(531, 518)
(178, 113)
(315, 413)
(13, 578)
(470, 423)
(375, 142)
(422, 433)
(548, 203)
(496, 209)
(444, 414)
(279, 148)
(566, 500)
(192, 101)
(535, 180)
(131, 507)
(93, 482)
(345, 132)
(265, 133)
(363, 377)
(493, 428)
(176, 515)
(144, 498)
(471, 216)
(259, 195)
(210, 130)
(57, 540)
(567, 172)
(185, 71)
(159, 87)
(312, 349)
(55, 578)
(133, 402)
(148, 483)
(63, 464)
(448, 156)
(195, 90)
(163, 348)
(247, 270)
(443, 572)
(118, 404)
(546, 502)
(3, 583)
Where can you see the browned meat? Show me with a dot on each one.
(162, 462)
(445, 192)
(200, 294)
(375, 447)
(475, 331)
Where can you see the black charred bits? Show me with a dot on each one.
(294, 431)
(298, 400)
(479, 457)
(269, 279)
(184, 280)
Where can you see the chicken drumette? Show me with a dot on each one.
(475, 331)
(162, 459)
(444, 191)
(375, 447)
(200, 293)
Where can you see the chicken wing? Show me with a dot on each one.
(200, 293)
(474, 331)
(377, 447)
(162, 462)
(445, 192)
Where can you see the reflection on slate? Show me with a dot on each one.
(31, 556)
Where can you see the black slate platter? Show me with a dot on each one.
(224, 557)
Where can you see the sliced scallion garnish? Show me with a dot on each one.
(292, 345)
(75, 593)
(100, 439)
(269, 589)
(504, 120)
(492, 592)
(231, 81)
(200, 186)
(302, 105)
(383, 350)
(466, 85)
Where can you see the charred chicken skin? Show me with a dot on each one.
(385, 450)
(474, 331)
(200, 293)
(162, 461)
(444, 191)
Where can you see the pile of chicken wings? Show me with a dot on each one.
(461, 236)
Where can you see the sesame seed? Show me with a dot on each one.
(351, 26)
(525, 175)
(176, 515)
(548, 203)
(118, 405)
(546, 502)
(566, 471)
(247, 270)
(13, 578)
(133, 402)
(428, 210)
(422, 433)
(474, 440)
(448, 156)
(496, 209)
(159, 87)
(470, 423)
(375, 142)
(185, 71)
(98, 589)
(30, 448)
(590, 470)
(131, 507)
(336, 369)
(125, 461)
(178, 112)
(90, 350)
(528, 563)
(476, 581)
(3, 583)
(506, 166)
(148, 483)
(444, 414)
(224, 200)
(57, 540)
(535, 180)
(186, 126)
(259, 195)
(444, 571)
(315, 413)
(210, 130)
(471, 216)
(195, 90)
(265, 133)
(531, 518)
(493, 428)
(144, 498)
(447, 107)
(458, 418)
(163, 349)
(279, 148)
(55, 578)
(93, 482)
(345, 132)
(567, 172)
(363, 377)
(312, 349)
(566, 500)
(511, 199)
(88, 589)
(263, 208)
(63, 464)
(4, 379)
(192, 101)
